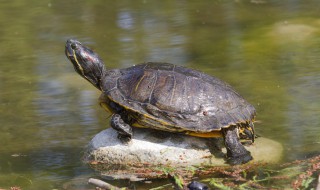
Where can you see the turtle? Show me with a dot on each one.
(168, 97)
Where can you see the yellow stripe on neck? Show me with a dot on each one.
(79, 66)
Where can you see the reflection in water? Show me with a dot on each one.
(51, 101)
(164, 42)
(87, 115)
(169, 42)
(235, 41)
(126, 37)
(125, 20)
(303, 110)
(269, 52)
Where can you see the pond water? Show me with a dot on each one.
(269, 51)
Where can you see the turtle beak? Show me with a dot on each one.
(71, 46)
(72, 51)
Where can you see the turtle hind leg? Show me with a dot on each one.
(236, 153)
(124, 130)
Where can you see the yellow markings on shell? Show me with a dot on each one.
(105, 107)
(173, 89)
(205, 135)
(144, 115)
(212, 134)
(143, 119)
(139, 82)
(138, 125)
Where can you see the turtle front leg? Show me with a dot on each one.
(236, 153)
(124, 130)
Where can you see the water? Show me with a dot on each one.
(268, 50)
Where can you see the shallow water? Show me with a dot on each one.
(269, 52)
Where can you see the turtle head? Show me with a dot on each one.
(86, 62)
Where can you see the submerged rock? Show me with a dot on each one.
(151, 152)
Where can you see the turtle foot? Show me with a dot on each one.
(241, 159)
(124, 139)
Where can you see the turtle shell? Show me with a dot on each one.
(174, 98)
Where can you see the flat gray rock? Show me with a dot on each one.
(154, 149)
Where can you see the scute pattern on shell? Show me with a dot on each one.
(184, 99)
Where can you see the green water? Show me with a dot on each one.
(269, 52)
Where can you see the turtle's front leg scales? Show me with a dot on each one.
(124, 130)
(236, 153)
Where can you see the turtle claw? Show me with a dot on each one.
(124, 130)
(124, 139)
(242, 159)
(247, 132)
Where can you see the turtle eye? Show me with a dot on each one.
(74, 46)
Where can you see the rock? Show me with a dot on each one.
(285, 32)
(151, 152)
